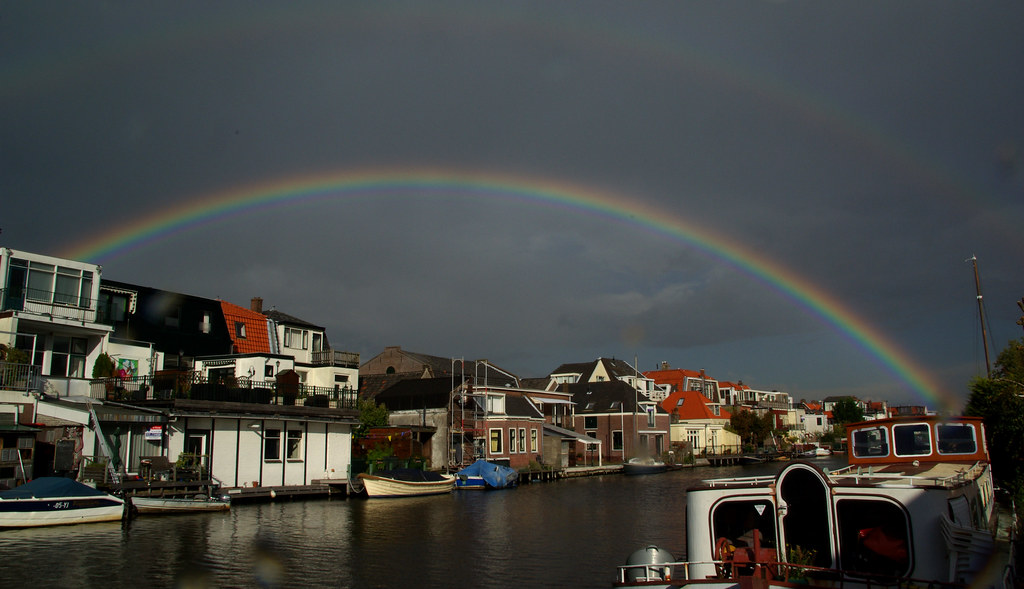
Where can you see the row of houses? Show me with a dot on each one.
(100, 370)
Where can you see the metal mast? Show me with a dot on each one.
(981, 314)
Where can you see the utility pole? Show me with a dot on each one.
(981, 314)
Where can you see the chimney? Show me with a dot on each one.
(256, 304)
(664, 365)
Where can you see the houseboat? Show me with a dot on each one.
(916, 505)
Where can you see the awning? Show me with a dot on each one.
(568, 433)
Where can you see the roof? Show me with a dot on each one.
(254, 339)
(690, 405)
(286, 319)
(615, 368)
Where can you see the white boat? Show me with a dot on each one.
(55, 501)
(817, 452)
(915, 507)
(406, 482)
(168, 505)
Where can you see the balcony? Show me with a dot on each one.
(336, 358)
(193, 386)
(19, 377)
(48, 304)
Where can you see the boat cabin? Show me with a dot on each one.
(925, 439)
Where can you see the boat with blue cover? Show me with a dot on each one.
(486, 475)
(55, 501)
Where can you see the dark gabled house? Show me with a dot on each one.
(626, 422)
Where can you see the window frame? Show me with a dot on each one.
(494, 437)
(272, 444)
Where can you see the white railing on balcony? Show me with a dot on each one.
(48, 304)
(19, 377)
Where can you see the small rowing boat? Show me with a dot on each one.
(406, 482)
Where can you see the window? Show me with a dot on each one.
(496, 404)
(912, 440)
(533, 440)
(871, 442)
(318, 342)
(589, 422)
(294, 444)
(511, 440)
(651, 414)
(68, 358)
(873, 537)
(737, 520)
(296, 338)
(956, 438)
(522, 440)
(617, 440)
(496, 441)
(240, 329)
(272, 444)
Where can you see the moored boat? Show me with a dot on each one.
(406, 482)
(643, 465)
(169, 505)
(55, 501)
(915, 506)
(486, 475)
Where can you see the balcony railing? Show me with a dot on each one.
(192, 385)
(48, 304)
(19, 377)
(336, 358)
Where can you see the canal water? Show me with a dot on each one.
(569, 533)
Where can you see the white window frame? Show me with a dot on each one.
(272, 444)
(522, 440)
(533, 440)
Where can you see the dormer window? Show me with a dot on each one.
(239, 329)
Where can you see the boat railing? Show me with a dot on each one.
(861, 474)
(739, 481)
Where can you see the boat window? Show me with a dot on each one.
(956, 438)
(872, 441)
(736, 520)
(912, 439)
(873, 537)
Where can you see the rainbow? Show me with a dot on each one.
(425, 182)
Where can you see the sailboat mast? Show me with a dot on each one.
(981, 315)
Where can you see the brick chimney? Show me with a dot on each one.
(256, 304)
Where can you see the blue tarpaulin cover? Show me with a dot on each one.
(45, 487)
(495, 475)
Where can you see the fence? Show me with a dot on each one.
(192, 385)
(19, 377)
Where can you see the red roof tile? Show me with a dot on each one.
(255, 339)
(694, 406)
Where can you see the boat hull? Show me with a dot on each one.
(378, 486)
(59, 511)
(162, 505)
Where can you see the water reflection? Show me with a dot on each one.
(569, 533)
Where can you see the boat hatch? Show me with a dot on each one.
(805, 515)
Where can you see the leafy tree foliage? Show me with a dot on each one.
(370, 415)
(1000, 401)
(750, 427)
(847, 410)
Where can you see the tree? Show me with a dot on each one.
(370, 415)
(1000, 402)
(847, 410)
(750, 427)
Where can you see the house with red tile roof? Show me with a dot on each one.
(697, 424)
(248, 329)
(680, 379)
